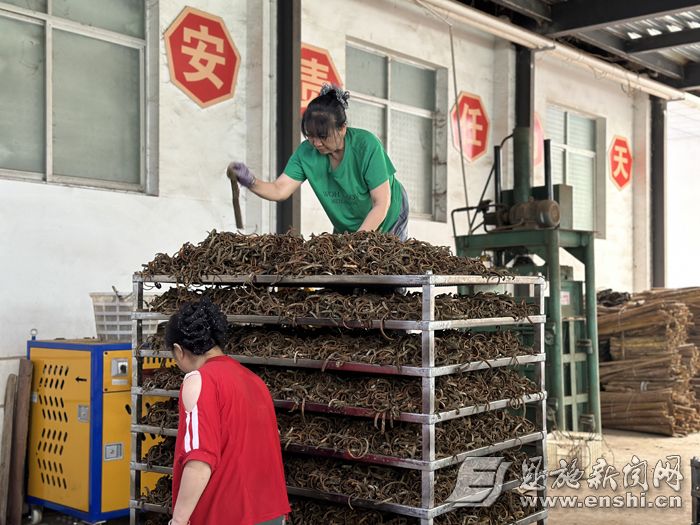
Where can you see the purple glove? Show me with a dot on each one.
(243, 175)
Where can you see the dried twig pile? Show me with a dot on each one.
(156, 519)
(165, 378)
(388, 396)
(294, 303)
(162, 414)
(379, 483)
(359, 437)
(647, 385)
(162, 493)
(506, 510)
(397, 348)
(345, 346)
(161, 454)
(369, 253)
(385, 395)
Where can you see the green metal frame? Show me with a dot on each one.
(546, 244)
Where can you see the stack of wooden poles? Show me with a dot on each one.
(647, 386)
(691, 298)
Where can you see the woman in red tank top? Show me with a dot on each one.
(228, 460)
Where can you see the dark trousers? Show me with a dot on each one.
(400, 229)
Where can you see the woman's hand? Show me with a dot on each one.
(242, 174)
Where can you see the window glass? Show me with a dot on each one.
(366, 72)
(22, 96)
(580, 176)
(411, 146)
(556, 125)
(581, 132)
(96, 115)
(121, 16)
(412, 85)
(368, 116)
(410, 103)
(34, 5)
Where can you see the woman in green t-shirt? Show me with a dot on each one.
(348, 169)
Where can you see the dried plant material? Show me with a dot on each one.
(369, 253)
(359, 437)
(346, 346)
(163, 378)
(161, 454)
(162, 414)
(389, 396)
(294, 303)
(161, 494)
(505, 510)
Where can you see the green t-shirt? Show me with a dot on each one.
(344, 192)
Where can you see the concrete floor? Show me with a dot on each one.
(618, 448)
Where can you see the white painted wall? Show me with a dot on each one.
(60, 243)
(682, 196)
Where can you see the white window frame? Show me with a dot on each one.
(148, 90)
(439, 145)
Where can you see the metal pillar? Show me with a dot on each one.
(554, 356)
(288, 103)
(522, 134)
(658, 192)
(592, 328)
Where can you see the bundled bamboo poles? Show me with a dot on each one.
(690, 297)
(647, 386)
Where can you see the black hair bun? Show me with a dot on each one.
(202, 326)
(341, 95)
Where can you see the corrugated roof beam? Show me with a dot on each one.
(583, 15)
(691, 78)
(532, 8)
(616, 46)
(663, 41)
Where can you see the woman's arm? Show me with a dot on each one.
(279, 190)
(381, 200)
(196, 474)
(195, 477)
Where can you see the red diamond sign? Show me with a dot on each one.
(202, 57)
(473, 124)
(620, 162)
(317, 68)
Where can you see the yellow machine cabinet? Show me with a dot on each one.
(79, 437)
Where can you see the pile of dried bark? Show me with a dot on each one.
(647, 385)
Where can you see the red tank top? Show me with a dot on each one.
(233, 429)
